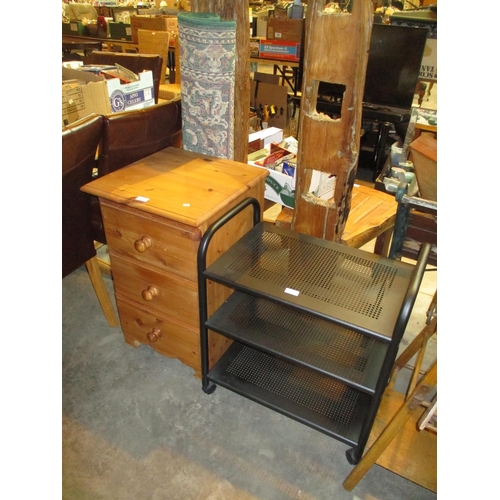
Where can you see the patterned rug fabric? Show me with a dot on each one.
(207, 49)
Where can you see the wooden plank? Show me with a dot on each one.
(372, 213)
(412, 454)
(395, 438)
(325, 144)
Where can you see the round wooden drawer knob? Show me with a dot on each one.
(142, 244)
(154, 335)
(149, 293)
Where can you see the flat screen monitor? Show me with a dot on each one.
(394, 64)
(393, 67)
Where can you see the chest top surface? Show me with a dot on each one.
(179, 185)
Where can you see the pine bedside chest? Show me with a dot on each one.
(155, 212)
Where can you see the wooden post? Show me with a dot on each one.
(236, 11)
(335, 51)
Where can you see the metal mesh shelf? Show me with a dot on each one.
(304, 395)
(315, 325)
(321, 345)
(353, 288)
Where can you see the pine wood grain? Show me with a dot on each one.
(153, 243)
(179, 185)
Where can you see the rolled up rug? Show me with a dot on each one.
(207, 53)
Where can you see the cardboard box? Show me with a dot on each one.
(262, 138)
(153, 23)
(134, 95)
(79, 11)
(261, 30)
(289, 30)
(266, 78)
(254, 47)
(81, 99)
(84, 93)
(123, 14)
(74, 28)
(172, 24)
(278, 188)
(268, 94)
(120, 31)
(282, 50)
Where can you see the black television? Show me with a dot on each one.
(393, 67)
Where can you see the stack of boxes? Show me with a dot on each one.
(154, 23)
(84, 92)
(76, 18)
(279, 35)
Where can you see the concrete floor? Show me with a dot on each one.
(136, 425)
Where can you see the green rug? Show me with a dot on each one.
(207, 53)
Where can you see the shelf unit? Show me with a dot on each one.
(315, 325)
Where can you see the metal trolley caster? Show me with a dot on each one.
(353, 456)
(209, 388)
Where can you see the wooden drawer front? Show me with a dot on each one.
(175, 340)
(166, 293)
(167, 245)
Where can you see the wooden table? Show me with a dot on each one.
(372, 216)
(69, 45)
(87, 42)
(155, 212)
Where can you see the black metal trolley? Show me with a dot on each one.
(315, 325)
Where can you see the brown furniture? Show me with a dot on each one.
(400, 440)
(86, 46)
(79, 146)
(133, 62)
(416, 224)
(155, 42)
(109, 44)
(172, 90)
(155, 212)
(372, 216)
(424, 157)
(131, 135)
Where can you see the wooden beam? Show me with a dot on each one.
(335, 51)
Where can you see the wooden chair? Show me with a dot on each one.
(399, 441)
(79, 146)
(155, 42)
(172, 91)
